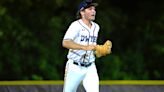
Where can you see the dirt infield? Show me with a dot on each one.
(105, 86)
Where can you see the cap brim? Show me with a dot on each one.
(92, 4)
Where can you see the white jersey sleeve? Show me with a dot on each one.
(72, 32)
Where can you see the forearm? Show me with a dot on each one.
(69, 44)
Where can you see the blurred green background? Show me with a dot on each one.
(31, 33)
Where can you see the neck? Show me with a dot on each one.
(87, 22)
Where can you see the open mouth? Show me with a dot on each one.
(93, 15)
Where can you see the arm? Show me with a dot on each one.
(69, 44)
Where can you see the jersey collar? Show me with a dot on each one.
(92, 27)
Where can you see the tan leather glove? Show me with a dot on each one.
(103, 50)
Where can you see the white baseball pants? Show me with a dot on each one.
(75, 74)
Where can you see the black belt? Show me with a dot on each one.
(82, 64)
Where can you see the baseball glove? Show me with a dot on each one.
(103, 50)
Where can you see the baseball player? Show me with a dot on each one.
(81, 39)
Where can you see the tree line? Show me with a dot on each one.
(31, 33)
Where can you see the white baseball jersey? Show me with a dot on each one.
(80, 33)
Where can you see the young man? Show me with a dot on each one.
(81, 40)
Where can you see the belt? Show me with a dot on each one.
(82, 64)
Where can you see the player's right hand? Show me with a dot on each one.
(89, 47)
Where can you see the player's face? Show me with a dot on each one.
(90, 13)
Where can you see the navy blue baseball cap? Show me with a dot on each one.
(85, 4)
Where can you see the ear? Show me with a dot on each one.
(82, 12)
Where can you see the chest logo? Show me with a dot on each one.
(85, 38)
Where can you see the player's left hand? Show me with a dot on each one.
(103, 50)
